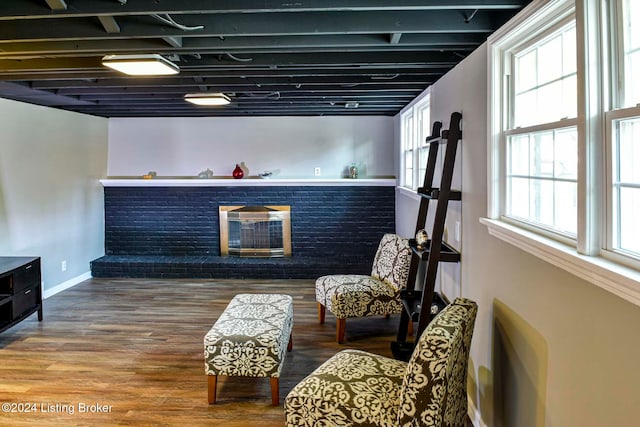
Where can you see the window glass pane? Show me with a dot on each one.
(526, 109)
(566, 154)
(629, 224)
(550, 60)
(526, 78)
(629, 151)
(425, 116)
(632, 15)
(632, 83)
(518, 198)
(423, 155)
(540, 202)
(408, 168)
(631, 49)
(542, 179)
(566, 207)
(552, 102)
(626, 186)
(519, 155)
(569, 52)
(545, 80)
(569, 97)
(542, 154)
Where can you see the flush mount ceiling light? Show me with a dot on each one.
(208, 99)
(141, 65)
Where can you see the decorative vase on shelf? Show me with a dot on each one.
(238, 172)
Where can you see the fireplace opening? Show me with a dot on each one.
(255, 231)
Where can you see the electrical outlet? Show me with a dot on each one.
(63, 265)
(317, 172)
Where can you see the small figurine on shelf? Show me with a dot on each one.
(422, 237)
(238, 173)
(353, 171)
(206, 174)
(150, 175)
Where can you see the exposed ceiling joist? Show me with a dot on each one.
(395, 38)
(109, 24)
(27, 10)
(57, 4)
(270, 57)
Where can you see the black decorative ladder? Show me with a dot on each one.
(418, 302)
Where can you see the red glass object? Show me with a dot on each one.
(238, 172)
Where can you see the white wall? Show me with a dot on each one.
(51, 203)
(292, 145)
(549, 349)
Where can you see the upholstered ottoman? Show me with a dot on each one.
(250, 339)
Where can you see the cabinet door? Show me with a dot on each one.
(27, 276)
(24, 300)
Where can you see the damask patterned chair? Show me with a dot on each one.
(355, 388)
(378, 294)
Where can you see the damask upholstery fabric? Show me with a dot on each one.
(354, 388)
(351, 295)
(434, 389)
(250, 337)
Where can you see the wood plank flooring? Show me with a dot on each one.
(134, 348)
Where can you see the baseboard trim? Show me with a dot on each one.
(66, 285)
(474, 415)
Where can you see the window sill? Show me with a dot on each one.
(408, 192)
(610, 276)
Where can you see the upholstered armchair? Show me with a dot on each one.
(355, 388)
(377, 294)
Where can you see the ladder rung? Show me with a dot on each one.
(434, 193)
(442, 139)
(447, 253)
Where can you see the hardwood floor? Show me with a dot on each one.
(135, 348)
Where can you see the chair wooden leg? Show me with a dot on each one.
(340, 328)
(321, 312)
(275, 391)
(290, 345)
(386, 316)
(212, 382)
(410, 328)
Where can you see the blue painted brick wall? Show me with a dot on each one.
(183, 221)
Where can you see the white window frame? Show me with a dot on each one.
(413, 139)
(587, 257)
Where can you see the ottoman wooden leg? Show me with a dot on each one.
(321, 311)
(340, 327)
(290, 345)
(212, 382)
(275, 391)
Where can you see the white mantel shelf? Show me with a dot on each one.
(245, 182)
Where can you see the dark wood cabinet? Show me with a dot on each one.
(20, 290)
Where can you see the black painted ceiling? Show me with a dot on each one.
(289, 57)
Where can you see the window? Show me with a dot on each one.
(540, 130)
(542, 165)
(623, 133)
(416, 122)
(408, 149)
(564, 138)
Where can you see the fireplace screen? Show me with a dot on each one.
(255, 231)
